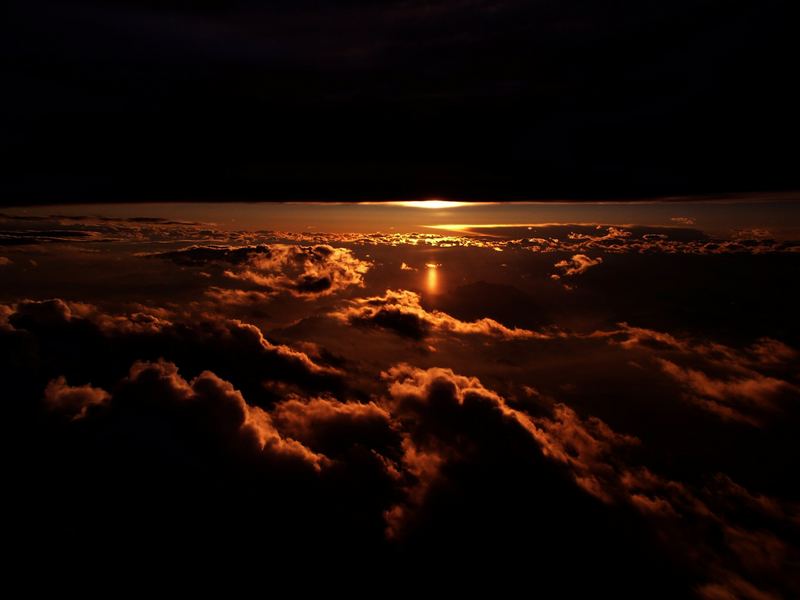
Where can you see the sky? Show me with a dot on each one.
(407, 99)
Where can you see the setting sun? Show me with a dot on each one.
(432, 204)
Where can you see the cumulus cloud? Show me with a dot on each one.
(302, 271)
(400, 311)
(237, 350)
(332, 426)
(73, 401)
(447, 418)
(577, 265)
(583, 444)
(5, 261)
(394, 458)
(210, 409)
(439, 411)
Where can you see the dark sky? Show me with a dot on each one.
(509, 99)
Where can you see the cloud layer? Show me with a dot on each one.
(271, 399)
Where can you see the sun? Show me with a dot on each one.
(431, 204)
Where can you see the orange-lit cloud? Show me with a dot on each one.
(214, 406)
(727, 397)
(302, 271)
(577, 265)
(73, 401)
(401, 312)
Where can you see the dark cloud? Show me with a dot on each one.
(209, 407)
(73, 401)
(332, 427)
(85, 342)
(440, 409)
(434, 464)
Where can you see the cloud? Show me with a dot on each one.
(210, 410)
(683, 220)
(729, 398)
(73, 401)
(302, 271)
(435, 409)
(222, 245)
(747, 385)
(577, 265)
(446, 417)
(105, 341)
(449, 419)
(5, 261)
(227, 297)
(772, 352)
(5, 312)
(332, 426)
(731, 586)
(585, 448)
(752, 234)
(393, 467)
(400, 311)
(584, 445)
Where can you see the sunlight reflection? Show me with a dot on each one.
(432, 284)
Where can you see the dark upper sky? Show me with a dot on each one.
(508, 99)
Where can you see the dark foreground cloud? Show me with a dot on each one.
(92, 346)
(432, 470)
